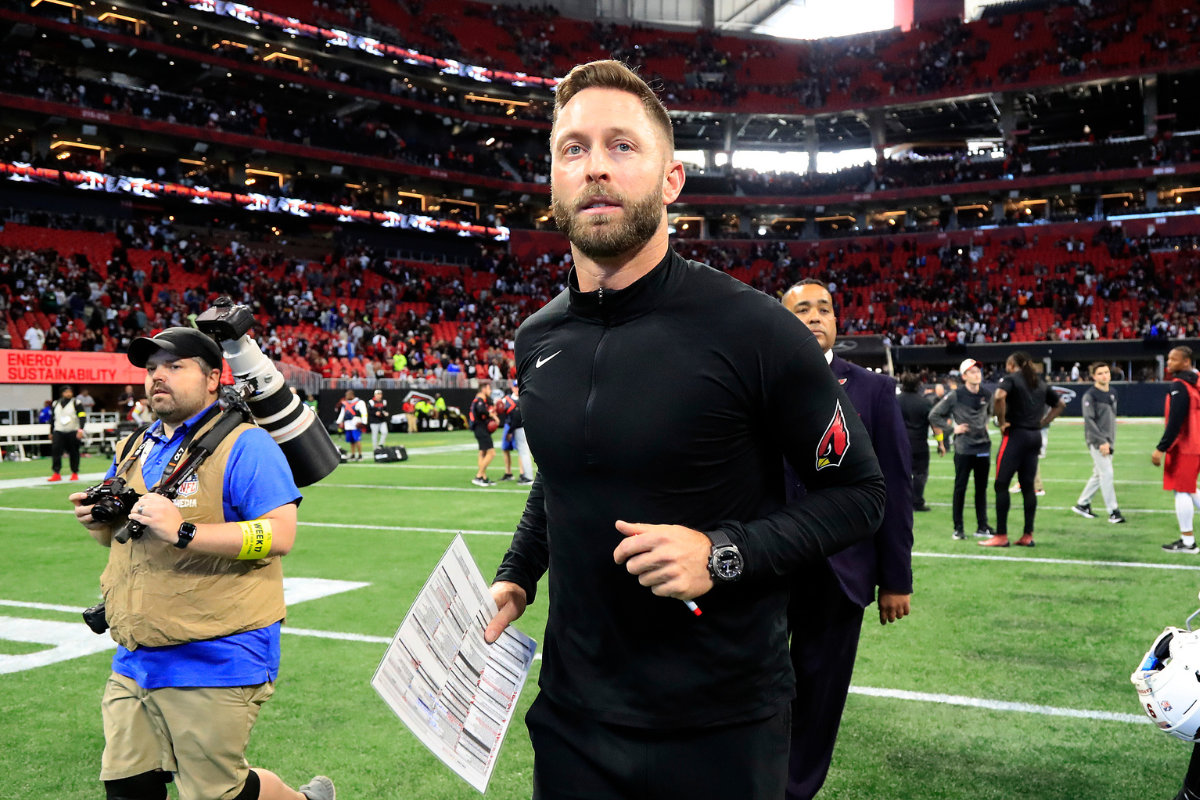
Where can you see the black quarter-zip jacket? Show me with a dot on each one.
(675, 401)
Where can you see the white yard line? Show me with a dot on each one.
(42, 606)
(350, 526)
(1017, 498)
(1058, 480)
(84, 481)
(438, 450)
(998, 705)
(82, 642)
(1077, 562)
(490, 489)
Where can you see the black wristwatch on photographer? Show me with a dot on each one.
(725, 564)
(187, 532)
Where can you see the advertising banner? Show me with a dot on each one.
(58, 366)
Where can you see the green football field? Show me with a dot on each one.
(1026, 636)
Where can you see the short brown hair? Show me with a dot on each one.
(613, 75)
(1097, 365)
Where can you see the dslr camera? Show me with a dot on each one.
(111, 500)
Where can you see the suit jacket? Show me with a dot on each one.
(885, 560)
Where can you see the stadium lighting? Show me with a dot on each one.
(823, 19)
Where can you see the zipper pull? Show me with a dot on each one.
(601, 295)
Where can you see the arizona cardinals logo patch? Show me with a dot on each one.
(835, 442)
(842, 381)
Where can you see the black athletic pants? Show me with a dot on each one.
(1018, 456)
(578, 758)
(68, 442)
(920, 471)
(825, 626)
(1191, 781)
(964, 467)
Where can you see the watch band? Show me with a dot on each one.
(718, 538)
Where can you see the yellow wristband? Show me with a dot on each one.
(256, 539)
(938, 435)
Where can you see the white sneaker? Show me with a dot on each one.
(479, 481)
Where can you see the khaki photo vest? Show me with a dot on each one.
(156, 594)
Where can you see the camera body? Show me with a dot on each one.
(111, 500)
(224, 321)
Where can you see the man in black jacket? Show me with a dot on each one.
(660, 399)
(914, 408)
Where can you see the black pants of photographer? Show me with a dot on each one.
(577, 758)
(64, 441)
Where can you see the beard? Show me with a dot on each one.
(604, 236)
(172, 409)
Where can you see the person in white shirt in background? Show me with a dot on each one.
(34, 338)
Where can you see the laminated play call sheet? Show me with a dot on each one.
(456, 693)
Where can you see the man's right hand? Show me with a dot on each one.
(1105, 449)
(961, 428)
(510, 600)
(83, 514)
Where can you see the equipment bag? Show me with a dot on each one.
(390, 455)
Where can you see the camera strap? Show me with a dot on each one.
(182, 450)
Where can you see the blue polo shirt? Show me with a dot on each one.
(257, 480)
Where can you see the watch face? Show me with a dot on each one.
(727, 563)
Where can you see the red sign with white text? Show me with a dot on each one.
(58, 366)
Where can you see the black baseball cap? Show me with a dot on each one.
(181, 342)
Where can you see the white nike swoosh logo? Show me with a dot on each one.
(541, 361)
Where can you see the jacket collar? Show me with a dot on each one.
(615, 306)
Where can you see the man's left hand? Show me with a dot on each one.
(671, 559)
(1156, 458)
(160, 516)
(79, 434)
(893, 606)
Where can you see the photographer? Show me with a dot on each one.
(195, 603)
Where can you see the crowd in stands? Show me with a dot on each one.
(354, 314)
(265, 114)
(1011, 288)
(701, 69)
(358, 314)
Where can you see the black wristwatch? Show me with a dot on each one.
(725, 564)
(187, 532)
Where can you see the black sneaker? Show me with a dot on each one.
(958, 534)
(986, 532)
(488, 482)
(508, 476)
(1178, 546)
(922, 507)
(478, 481)
(1084, 510)
(1116, 517)
(523, 481)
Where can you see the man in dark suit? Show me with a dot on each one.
(829, 597)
